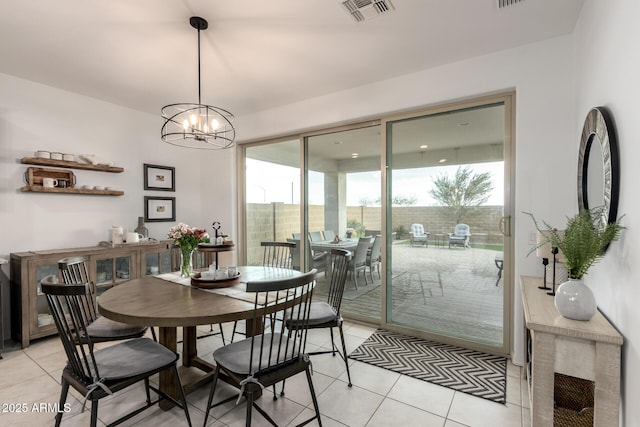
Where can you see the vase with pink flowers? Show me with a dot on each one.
(187, 239)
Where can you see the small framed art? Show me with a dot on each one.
(159, 209)
(161, 178)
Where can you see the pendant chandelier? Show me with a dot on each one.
(198, 125)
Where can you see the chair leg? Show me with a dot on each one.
(183, 398)
(222, 334)
(249, 408)
(344, 353)
(354, 275)
(146, 390)
(333, 345)
(313, 396)
(153, 334)
(63, 398)
(94, 413)
(211, 392)
(233, 332)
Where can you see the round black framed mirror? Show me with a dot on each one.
(598, 165)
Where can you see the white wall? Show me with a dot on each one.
(36, 117)
(607, 70)
(546, 152)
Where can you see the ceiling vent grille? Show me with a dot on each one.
(362, 10)
(506, 3)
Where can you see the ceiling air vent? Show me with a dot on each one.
(506, 3)
(362, 10)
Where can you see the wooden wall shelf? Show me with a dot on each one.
(90, 192)
(72, 165)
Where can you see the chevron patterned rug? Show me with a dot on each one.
(472, 372)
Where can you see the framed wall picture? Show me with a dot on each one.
(162, 178)
(159, 209)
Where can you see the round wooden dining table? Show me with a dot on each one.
(153, 301)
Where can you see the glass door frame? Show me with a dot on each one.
(508, 98)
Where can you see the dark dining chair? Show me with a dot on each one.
(276, 254)
(268, 358)
(327, 315)
(96, 374)
(74, 271)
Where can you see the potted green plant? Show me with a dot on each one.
(582, 243)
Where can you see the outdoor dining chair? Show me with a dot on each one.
(316, 236)
(96, 374)
(318, 260)
(329, 235)
(268, 358)
(373, 257)
(74, 271)
(359, 261)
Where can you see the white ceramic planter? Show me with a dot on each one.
(574, 300)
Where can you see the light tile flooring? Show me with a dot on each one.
(378, 397)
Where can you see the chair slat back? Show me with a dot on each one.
(68, 305)
(277, 254)
(340, 259)
(276, 348)
(75, 271)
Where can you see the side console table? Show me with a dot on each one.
(582, 349)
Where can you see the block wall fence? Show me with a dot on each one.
(277, 221)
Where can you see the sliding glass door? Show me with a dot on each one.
(272, 195)
(343, 204)
(446, 203)
(431, 186)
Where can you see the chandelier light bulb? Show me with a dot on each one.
(185, 124)
(205, 128)
(215, 124)
(193, 119)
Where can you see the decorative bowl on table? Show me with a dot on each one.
(210, 282)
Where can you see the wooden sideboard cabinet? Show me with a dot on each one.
(581, 349)
(108, 267)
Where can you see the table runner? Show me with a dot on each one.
(237, 291)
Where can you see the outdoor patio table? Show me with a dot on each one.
(153, 301)
(326, 245)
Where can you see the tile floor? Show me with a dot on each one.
(378, 397)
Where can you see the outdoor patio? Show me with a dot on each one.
(450, 291)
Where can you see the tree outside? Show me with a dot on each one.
(463, 192)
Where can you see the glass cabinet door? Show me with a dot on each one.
(158, 263)
(112, 271)
(44, 318)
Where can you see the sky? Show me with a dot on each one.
(269, 182)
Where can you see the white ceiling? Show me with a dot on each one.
(256, 54)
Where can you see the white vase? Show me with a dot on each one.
(574, 300)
